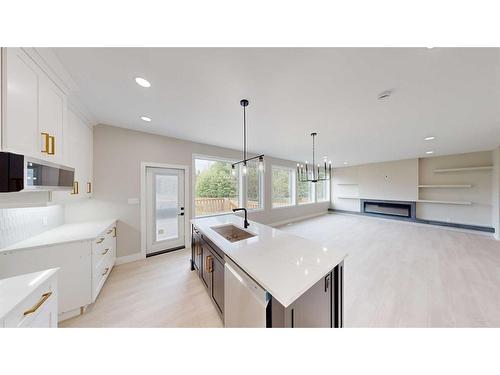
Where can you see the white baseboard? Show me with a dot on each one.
(297, 218)
(129, 258)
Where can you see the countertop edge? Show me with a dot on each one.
(11, 248)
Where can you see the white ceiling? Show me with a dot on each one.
(450, 93)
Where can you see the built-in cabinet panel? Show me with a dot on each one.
(84, 267)
(20, 103)
(51, 119)
(36, 122)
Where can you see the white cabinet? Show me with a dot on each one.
(84, 267)
(34, 108)
(20, 103)
(51, 119)
(29, 300)
(77, 154)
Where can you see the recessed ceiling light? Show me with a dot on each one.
(146, 118)
(429, 138)
(429, 152)
(142, 82)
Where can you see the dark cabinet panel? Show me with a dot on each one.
(314, 308)
(206, 260)
(218, 282)
(197, 252)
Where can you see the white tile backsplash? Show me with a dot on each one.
(17, 224)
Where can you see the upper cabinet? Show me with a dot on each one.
(51, 119)
(37, 121)
(20, 104)
(34, 109)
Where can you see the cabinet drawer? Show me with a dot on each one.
(103, 249)
(100, 273)
(43, 301)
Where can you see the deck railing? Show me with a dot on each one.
(208, 206)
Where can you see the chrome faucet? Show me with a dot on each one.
(246, 215)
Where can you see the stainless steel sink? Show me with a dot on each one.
(232, 233)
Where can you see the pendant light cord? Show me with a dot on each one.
(245, 134)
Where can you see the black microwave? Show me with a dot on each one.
(23, 173)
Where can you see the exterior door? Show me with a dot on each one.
(165, 209)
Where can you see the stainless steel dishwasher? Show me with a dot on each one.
(245, 301)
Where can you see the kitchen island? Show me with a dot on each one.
(296, 282)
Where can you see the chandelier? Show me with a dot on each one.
(314, 173)
(244, 104)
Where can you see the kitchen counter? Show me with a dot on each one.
(63, 234)
(14, 290)
(283, 264)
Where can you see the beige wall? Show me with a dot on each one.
(118, 154)
(495, 215)
(399, 180)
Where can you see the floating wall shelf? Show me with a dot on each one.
(483, 168)
(463, 203)
(445, 186)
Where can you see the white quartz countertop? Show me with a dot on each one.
(283, 264)
(15, 289)
(63, 234)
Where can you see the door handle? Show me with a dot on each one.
(327, 282)
(181, 214)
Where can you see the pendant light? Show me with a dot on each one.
(244, 104)
(311, 173)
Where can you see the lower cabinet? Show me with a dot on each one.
(320, 306)
(39, 308)
(83, 268)
(209, 264)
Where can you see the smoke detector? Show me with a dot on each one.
(384, 95)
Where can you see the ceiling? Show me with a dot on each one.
(450, 93)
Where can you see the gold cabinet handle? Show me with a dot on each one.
(76, 188)
(110, 231)
(89, 187)
(105, 252)
(105, 271)
(44, 298)
(52, 149)
(100, 240)
(45, 148)
(209, 264)
(114, 231)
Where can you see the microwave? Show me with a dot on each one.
(23, 173)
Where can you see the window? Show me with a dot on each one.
(254, 183)
(322, 191)
(305, 192)
(217, 190)
(283, 180)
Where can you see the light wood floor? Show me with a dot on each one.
(397, 274)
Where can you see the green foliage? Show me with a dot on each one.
(281, 184)
(216, 182)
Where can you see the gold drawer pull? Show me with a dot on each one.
(114, 231)
(105, 271)
(89, 187)
(100, 240)
(76, 189)
(45, 142)
(44, 298)
(109, 231)
(209, 264)
(52, 149)
(105, 252)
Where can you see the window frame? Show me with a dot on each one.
(293, 180)
(327, 195)
(242, 184)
